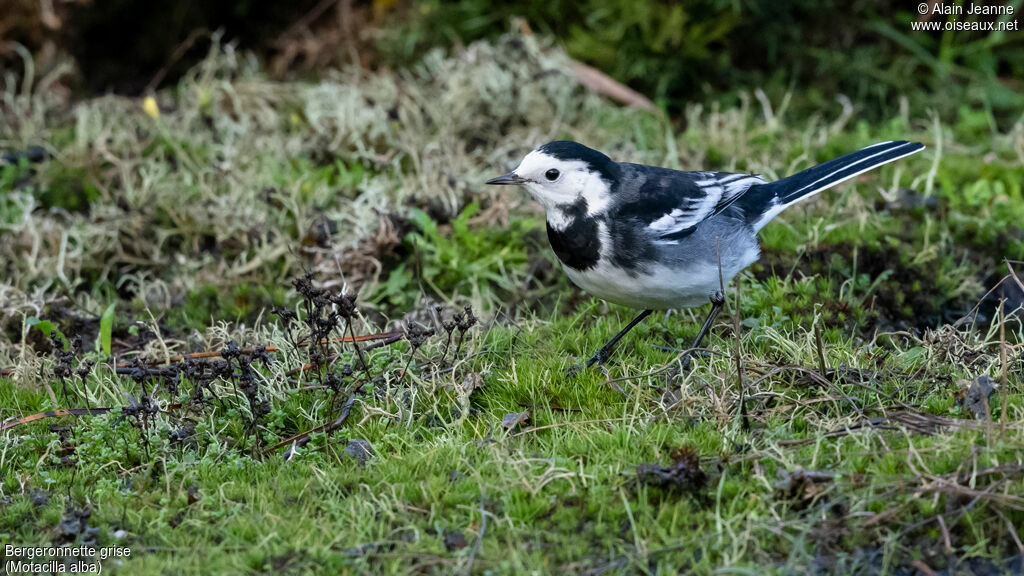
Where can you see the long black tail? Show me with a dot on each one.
(781, 194)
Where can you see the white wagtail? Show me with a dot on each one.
(654, 238)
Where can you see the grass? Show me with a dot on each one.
(857, 458)
(559, 492)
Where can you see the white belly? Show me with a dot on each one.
(658, 288)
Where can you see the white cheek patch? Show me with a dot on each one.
(575, 181)
(596, 191)
(558, 219)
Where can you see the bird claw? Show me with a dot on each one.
(686, 363)
(600, 358)
(691, 355)
(614, 385)
(573, 371)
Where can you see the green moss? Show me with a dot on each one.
(242, 304)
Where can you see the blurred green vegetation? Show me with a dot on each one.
(678, 52)
(674, 52)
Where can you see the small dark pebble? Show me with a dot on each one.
(454, 541)
(515, 419)
(359, 449)
(39, 498)
(981, 389)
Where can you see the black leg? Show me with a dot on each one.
(602, 355)
(717, 302)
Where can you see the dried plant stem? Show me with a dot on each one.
(822, 367)
(1002, 357)
(386, 336)
(739, 360)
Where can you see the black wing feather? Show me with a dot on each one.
(671, 204)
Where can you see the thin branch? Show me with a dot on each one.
(480, 536)
(1002, 358)
(387, 337)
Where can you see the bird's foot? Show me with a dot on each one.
(573, 371)
(576, 369)
(600, 358)
(687, 359)
(615, 386)
(686, 362)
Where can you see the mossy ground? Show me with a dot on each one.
(195, 221)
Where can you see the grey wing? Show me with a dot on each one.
(673, 203)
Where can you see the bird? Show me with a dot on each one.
(653, 238)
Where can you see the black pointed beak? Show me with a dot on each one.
(507, 180)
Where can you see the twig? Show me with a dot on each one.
(345, 20)
(306, 19)
(386, 337)
(913, 420)
(179, 51)
(16, 421)
(601, 83)
(354, 340)
(480, 536)
(974, 309)
(822, 367)
(1002, 357)
(736, 332)
(1013, 274)
(1013, 532)
(302, 438)
(739, 361)
(924, 568)
(946, 539)
(663, 367)
(571, 422)
(19, 420)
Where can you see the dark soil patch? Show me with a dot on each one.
(683, 474)
(907, 295)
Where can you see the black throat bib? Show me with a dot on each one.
(578, 246)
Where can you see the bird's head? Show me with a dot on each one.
(562, 172)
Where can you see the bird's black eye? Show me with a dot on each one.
(552, 174)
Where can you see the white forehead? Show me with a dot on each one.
(537, 162)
